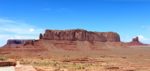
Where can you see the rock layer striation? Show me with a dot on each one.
(80, 35)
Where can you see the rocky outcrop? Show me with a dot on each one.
(80, 35)
(4, 64)
(19, 41)
(136, 39)
(135, 42)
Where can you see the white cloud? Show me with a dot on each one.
(11, 29)
(142, 38)
(17, 27)
(31, 30)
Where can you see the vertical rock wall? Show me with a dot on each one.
(80, 35)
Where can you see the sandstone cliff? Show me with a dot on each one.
(80, 35)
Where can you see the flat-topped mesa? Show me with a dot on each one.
(80, 35)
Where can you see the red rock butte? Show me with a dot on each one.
(135, 42)
(80, 35)
(68, 39)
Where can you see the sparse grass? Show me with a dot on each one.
(112, 68)
(39, 62)
(3, 58)
(117, 59)
(130, 70)
(79, 67)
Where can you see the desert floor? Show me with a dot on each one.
(108, 59)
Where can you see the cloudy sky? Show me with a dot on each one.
(25, 19)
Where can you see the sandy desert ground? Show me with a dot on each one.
(135, 58)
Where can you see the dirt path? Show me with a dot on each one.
(25, 68)
(11, 68)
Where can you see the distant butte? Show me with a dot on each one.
(135, 42)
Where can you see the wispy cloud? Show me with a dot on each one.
(12, 29)
(144, 39)
(15, 27)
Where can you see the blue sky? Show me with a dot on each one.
(25, 19)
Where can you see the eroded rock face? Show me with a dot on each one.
(19, 41)
(135, 41)
(80, 35)
(4, 64)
